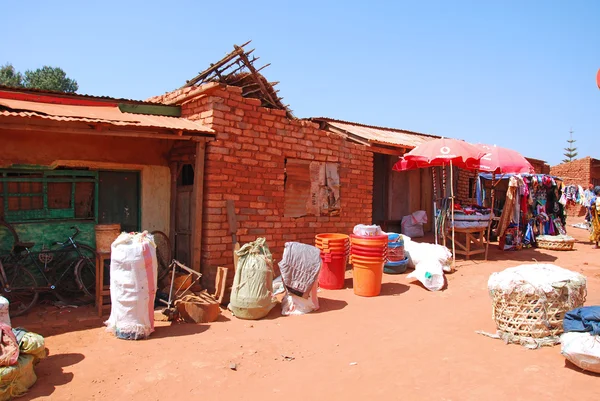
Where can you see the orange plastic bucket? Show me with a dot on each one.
(367, 278)
(331, 238)
(366, 259)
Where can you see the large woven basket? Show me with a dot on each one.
(555, 243)
(531, 314)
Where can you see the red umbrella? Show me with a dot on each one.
(404, 165)
(500, 160)
(445, 151)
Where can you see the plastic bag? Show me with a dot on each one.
(367, 231)
(412, 225)
(582, 349)
(430, 273)
(252, 291)
(16, 380)
(418, 252)
(4, 311)
(133, 273)
(294, 305)
(33, 344)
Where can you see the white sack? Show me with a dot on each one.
(133, 271)
(430, 273)
(582, 349)
(294, 305)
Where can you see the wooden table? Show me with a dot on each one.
(468, 241)
(101, 289)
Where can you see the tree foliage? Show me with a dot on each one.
(10, 77)
(46, 78)
(570, 151)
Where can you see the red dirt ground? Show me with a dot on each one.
(408, 343)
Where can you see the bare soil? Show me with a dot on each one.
(408, 343)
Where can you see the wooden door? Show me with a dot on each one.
(119, 199)
(183, 226)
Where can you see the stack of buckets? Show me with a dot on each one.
(334, 258)
(396, 260)
(368, 255)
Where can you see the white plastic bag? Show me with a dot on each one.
(418, 252)
(430, 273)
(278, 286)
(582, 349)
(294, 305)
(4, 314)
(412, 225)
(367, 231)
(133, 271)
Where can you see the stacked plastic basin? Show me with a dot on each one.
(368, 255)
(396, 259)
(334, 257)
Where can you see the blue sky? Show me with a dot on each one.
(518, 74)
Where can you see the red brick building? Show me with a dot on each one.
(579, 172)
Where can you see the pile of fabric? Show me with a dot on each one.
(300, 266)
(20, 351)
(581, 339)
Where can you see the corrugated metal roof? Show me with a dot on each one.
(72, 95)
(96, 114)
(380, 135)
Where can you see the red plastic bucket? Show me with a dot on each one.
(333, 271)
(368, 253)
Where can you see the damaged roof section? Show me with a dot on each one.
(380, 139)
(237, 69)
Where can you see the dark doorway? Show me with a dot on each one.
(119, 199)
(381, 174)
(183, 223)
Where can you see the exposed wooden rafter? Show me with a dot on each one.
(237, 69)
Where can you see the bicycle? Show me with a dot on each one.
(68, 271)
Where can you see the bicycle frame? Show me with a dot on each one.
(48, 266)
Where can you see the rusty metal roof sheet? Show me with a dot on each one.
(96, 114)
(43, 92)
(379, 135)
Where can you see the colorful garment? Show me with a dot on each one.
(595, 234)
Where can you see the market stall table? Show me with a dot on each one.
(474, 241)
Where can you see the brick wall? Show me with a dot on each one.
(576, 172)
(462, 190)
(246, 164)
(540, 166)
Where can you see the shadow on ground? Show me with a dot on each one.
(178, 330)
(572, 366)
(329, 305)
(51, 375)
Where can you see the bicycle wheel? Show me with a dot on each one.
(20, 290)
(85, 270)
(163, 253)
(65, 278)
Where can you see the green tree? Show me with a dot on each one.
(10, 77)
(46, 78)
(50, 78)
(571, 150)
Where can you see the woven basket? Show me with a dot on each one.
(523, 317)
(566, 245)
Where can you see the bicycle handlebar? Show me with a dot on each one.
(76, 232)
